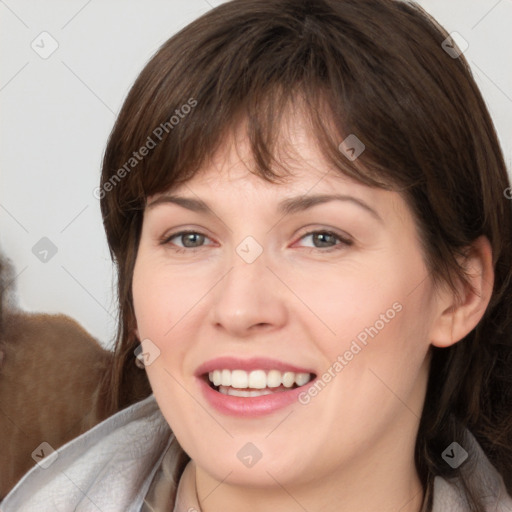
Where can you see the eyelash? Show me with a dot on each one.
(344, 242)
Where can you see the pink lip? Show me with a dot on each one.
(254, 363)
(248, 407)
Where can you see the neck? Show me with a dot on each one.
(387, 484)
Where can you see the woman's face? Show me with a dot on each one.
(275, 278)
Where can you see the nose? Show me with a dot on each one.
(249, 299)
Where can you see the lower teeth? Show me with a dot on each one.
(228, 390)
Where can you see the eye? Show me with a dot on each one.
(324, 239)
(186, 240)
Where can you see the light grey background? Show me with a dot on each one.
(57, 113)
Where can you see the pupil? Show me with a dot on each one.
(322, 238)
(193, 238)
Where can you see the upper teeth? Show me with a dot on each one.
(257, 379)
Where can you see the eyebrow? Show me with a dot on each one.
(285, 207)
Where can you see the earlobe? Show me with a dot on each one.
(458, 316)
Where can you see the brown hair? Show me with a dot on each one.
(373, 68)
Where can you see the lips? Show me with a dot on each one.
(250, 387)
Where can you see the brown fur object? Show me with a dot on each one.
(49, 379)
(52, 373)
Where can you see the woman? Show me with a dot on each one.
(305, 203)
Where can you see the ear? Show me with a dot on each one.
(458, 316)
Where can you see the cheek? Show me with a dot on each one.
(161, 297)
(372, 327)
(347, 301)
(382, 363)
(169, 310)
(161, 300)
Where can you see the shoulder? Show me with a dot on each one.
(484, 479)
(111, 465)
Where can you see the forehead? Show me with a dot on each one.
(229, 184)
(229, 176)
(236, 175)
(298, 163)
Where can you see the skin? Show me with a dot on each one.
(352, 446)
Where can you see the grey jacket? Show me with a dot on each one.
(110, 468)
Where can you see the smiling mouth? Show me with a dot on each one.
(255, 383)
